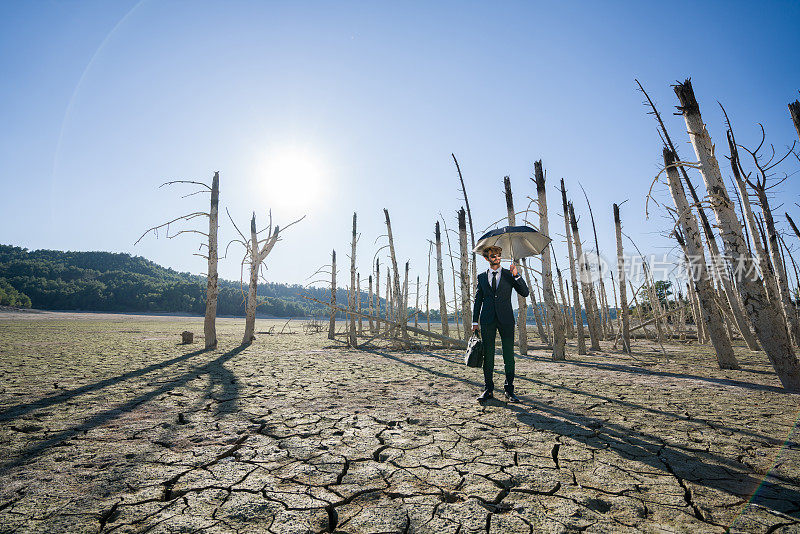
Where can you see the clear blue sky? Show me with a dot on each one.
(325, 108)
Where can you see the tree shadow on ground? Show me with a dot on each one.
(697, 466)
(18, 410)
(631, 369)
(219, 376)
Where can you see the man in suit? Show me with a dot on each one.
(493, 311)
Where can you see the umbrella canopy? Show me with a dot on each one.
(516, 241)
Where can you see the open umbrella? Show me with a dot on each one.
(516, 241)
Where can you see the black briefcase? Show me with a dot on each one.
(474, 355)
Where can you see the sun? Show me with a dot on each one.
(292, 177)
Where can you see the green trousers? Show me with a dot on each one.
(488, 335)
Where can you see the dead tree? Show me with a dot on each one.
(603, 304)
(465, 278)
(697, 260)
(586, 283)
(428, 287)
(351, 300)
(771, 284)
(695, 308)
(358, 304)
(537, 315)
(576, 303)
(623, 299)
(370, 308)
(378, 293)
(416, 306)
(404, 311)
(212, 285)
(559, 339)
(456, 313)
(523, 306)
(570, 328)
(761, 187)
(389, 299)
(332, 324)
(257, 252)
(474, 285)
(733, 300)
(398, 299)
(764, 315)
(440, 275)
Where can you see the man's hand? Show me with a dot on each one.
(475, 327)
(513, 269)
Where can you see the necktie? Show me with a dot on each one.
(494, 280)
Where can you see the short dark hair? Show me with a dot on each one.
(489, 250)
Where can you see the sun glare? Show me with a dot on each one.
(292, 177)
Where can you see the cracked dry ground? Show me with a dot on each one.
(106, 424)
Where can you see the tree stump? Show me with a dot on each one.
(187, 337)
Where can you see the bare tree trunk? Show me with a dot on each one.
(785, 249)
(456, 314)
(570, 328)
(378, 295)
(778, 265)
(389, 300)
(416, 306)
(618, 317)
(576, 306)
(257, 256)
(404, 311)
(250, 309)
(693, 303)
(466, 303)
(474, 284)
(537, 315)
(358, 304)
(332, 324)
(794, 111)
(440, 275)
(603, 315)
(623, 299)
(396, 278)
(428, 288)
(522, 314)
(639, 311)
(765, 317)
(696, 257)
(586, 283)
(771, 285)
(212, 288)
(559, 339)
(655, 303)
(702, 331)
(570, 311)
(351, 300)
(370, 308)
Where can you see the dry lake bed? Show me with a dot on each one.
(108, 424)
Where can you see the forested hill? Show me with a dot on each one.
(105, 281)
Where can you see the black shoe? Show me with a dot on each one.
(486, 395)
(510, 397)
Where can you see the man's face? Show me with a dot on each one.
(494, 260)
